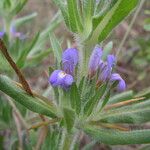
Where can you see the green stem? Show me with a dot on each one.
(66, 141)
(7, 23)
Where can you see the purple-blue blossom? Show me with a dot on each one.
(111, 60)
(70, 59)
(64, 78)
(2, 34)
(121, 83)
(106, 73)
(60, 78)
(106, 68)
(95, 60)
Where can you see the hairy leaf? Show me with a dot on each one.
(32, 103)
(69, 118)
(114, 137)
(114, 16)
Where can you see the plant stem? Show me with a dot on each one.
(65, 141)
(7, 23)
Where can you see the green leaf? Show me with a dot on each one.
(56, 48)
(121, 97)
(81, 84)
(114, 137)
(144, 93)
(32, 103)
(147, 27)
(18, 7)
(105, 100)
(57, 19)
(69, 118)
(33, 61)
(20, 21)
(94, 100)
(102, 8)
(22, 58)
(75, 98)
(136, 113)
(107, 49)
(114, 16)
(74, 17)
(88, 12)
(64, 11)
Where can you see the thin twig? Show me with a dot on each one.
(16, 111)
(129, 28)
(119, 104)
(16, 69)
(53, 121)
(18, 127)
(42, 135)
(108, 125)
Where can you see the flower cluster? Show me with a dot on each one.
(70, 57)
(105, 69)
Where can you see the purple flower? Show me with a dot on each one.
(105, 74)
(2, 33)
(60, 78)
(70, 59)
(106, 68)
(121, 83)
(95, 60)
(111, 60)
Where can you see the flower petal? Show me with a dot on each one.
(2, 33)
(121, 83)
(105, 73)
(60, 78)
(95, 60)
(70, 59)
(111, 60)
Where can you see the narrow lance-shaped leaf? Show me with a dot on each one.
(88, 12)
(94, 100)
(18, 7)
(107, 50)
(32, 61)
(32, 103)
(102, 8)
(106, 99)
(75, 98)
(117, 13)
(20, 21)
(121, 97)
(114, 137)
(56, 20)
(23, 55)
(56, 48)
(74, 17)
(136, 113)
(64, 11)
(69, 118)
